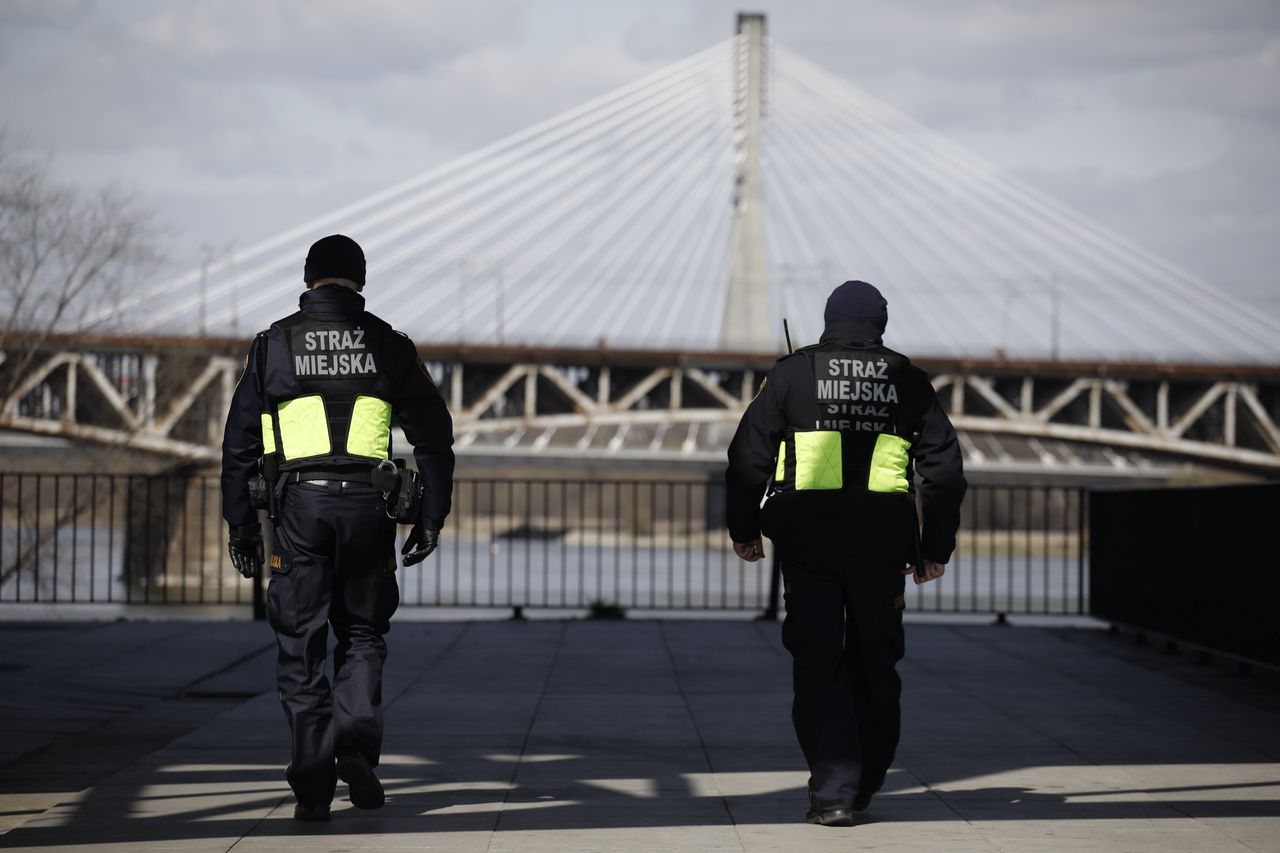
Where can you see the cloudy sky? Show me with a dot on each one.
(235, 120)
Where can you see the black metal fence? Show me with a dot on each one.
(646, 544)
(106, 538)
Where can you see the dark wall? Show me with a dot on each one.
(1200, 564)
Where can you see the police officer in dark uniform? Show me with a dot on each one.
(320, 391)
(836, 436)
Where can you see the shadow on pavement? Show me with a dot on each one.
(671, 727)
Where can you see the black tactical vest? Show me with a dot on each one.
(341, 412)
(859, 440)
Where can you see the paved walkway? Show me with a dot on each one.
(620, 736)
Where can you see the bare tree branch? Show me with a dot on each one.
(65, 253)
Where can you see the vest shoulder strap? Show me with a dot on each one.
(261, 351)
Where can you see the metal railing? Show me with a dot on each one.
(111, 538)
(1021, 549)
(514, 543)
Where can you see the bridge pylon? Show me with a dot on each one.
(748, 324)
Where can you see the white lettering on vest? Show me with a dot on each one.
(854, 392)
(865, 411)
(857, 368)
(335, 364)
(849, 426)
(334, 339)
(338, 356)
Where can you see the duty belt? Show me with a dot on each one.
(328, 476)
(399, 486)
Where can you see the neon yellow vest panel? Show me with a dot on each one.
(855, 444)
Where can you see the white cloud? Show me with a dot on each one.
(243, 118)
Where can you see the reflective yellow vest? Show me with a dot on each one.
(859, 441)
(306, 431)
(341, 413)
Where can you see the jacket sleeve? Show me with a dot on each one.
(426, 423)
(751, 457)
(940, 469)
(242, 444)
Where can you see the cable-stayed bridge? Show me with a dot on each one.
(610, 283)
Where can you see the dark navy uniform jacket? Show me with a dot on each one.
(879, 526)
(416, 405)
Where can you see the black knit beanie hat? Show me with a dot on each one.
(335, 256)
(859, 302)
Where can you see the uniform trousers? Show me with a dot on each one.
(332, 563)
(844, 631)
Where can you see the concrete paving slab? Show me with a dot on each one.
(635, 735)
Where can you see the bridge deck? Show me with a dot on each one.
(169, 397)
(633, 736)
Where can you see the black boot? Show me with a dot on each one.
(362, 783)
(312, 811)
(829, 816)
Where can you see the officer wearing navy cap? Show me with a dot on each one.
(834, 441)
(320, 391)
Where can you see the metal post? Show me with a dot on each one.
(147, 404)
(455, 388)
(747, 323)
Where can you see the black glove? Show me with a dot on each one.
(421, 542)
(245, 545)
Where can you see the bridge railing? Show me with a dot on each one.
(514, 543)
(169, 398)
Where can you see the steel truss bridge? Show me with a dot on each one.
(609, 283)
(170, 396)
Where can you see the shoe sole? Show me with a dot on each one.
(311, 817)
(363, 786)
(819, 820)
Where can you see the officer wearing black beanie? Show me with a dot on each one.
(335, 256)
(316, 402)
(834, 441)
(857, 302)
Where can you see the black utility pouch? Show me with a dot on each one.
(402, 489)
(403, 504)
(385, 476)
(259, 496)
